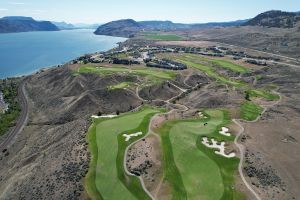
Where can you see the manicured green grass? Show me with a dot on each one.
(230, 65)
(221, 63)
(89, 181)
(193, 170)
(120, 85)
(106, 168)
(211, 73)
(143, 71)
(250, 111)
(159, 36)
(263, 93)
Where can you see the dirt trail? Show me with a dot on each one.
(242, 148)
(21, 122)
(185, 108)
(181, 89)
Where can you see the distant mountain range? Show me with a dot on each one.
(87, 26)
(24, 24)
(68, 26)
(63, 25)
(169, 25)
(129, 27)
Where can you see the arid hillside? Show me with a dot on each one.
(285, 41)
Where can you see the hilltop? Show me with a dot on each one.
(24, 24)
(275, 18)
(121, 28)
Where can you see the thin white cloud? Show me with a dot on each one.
(3, 9)
(16, 3)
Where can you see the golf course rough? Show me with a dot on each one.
(209, 70)
(106, 178)
(152, 74)
(267, 95)
(164, 37)
(193, 170)
(250, 111)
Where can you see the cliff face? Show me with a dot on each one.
(275, 18)
(24, 24)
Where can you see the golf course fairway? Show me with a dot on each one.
(106, 178)
(194, 171)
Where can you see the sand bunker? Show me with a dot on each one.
(224, 131)
(103, 116)
(128, 137)
(215, 145)
(201, 115)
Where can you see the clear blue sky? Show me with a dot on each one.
(99, 11)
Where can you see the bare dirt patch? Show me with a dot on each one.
(144, 159)
(273, 155)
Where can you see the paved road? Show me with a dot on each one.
(21, 122)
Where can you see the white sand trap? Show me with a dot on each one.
(224, 131)
(201, 115)
(215, 145)
(128, 137)
(103, 116)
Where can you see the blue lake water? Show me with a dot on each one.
(24, 53)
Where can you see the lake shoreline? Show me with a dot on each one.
(64, 46)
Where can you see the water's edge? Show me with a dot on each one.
(26, 53)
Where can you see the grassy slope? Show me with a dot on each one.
(263, 93)
(181, 145)
(89, 181)
(106, 170)
(228, 65)
(120, 85)
(211, 73)
(151, 73)
(206, 65)
(250, 111)
(165, 37)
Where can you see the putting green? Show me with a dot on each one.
(194, 171)
(106, 177)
